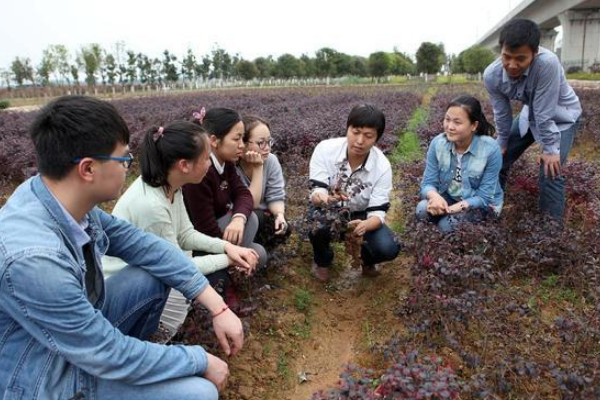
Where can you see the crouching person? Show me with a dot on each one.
(351, 173)
(461, 181)
(66, 333)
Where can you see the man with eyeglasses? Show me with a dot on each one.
(66, 333)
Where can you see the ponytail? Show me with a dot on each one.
(162, 147)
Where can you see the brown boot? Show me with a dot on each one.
(321, 273)
(370, 271)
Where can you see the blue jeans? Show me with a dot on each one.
(378, 245)
(134, 303)
(449, 223)
(552, 191)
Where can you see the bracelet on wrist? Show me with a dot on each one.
(225, 308)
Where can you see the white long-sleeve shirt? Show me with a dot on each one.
(329, 163)
(149, 209)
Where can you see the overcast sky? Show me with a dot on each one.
(250, 27)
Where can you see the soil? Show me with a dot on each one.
(292, 353)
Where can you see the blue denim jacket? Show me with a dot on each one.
(481, 165)
(53, 342)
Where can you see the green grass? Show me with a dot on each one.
(303, 300)
(302, 330)
(408, 148)
(282, 366)
(4, 104)
(552, 289)
(454, 79)
(584, 76)
(368, 331)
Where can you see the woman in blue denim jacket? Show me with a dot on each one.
(463, 163)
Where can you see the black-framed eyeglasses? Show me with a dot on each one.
(125, 161)
(262, 144)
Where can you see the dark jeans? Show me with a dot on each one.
(378, 245)
(552, 191)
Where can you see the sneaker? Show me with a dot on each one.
(321, 273)
(370, 271)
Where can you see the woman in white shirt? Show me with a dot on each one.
(351, 172)
(171, 157)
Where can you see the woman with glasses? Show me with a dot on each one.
(261, 171)
(171, 157)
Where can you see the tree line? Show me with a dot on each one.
(93, 65)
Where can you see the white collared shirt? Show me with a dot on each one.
(330, 160)
(221, 169)
(218, 166)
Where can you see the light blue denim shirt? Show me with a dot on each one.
(550, 104)
(53, 342)
(481, 165)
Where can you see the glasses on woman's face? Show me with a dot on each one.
(125, 161)
(262, 144)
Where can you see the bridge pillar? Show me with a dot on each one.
(548, 39)
(581, 38)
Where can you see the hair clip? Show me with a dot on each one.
(158, 134)
(199, 115)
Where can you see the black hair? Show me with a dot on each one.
(472, 107)
(367, 115)
(519, 32)
(219, 121)
(162, 148)
(72, 127)
(251, 122)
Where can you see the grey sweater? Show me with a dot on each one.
(273, 185)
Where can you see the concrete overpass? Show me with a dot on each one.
(580, 21)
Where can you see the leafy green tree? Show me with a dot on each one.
(360, 66)
(246, 69)
(308, 66)
(430, 57)
(380, 64)
(22, 70)
(144, 66)
(47, 66)
(131, 67)
(265, 66)
(63, 62)
(155, 75)
(475, 59)
(343, 65)
(75, 72)
(7, 76)
(288, 66)
(169, 68)
(91, 59)
(111, 68)
(203, 69)
(99, 53)
(325, 60)
(402, 64)
(188, 65)
(221, 63)
(456, 63)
